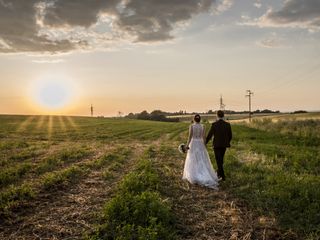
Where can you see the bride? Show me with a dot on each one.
(198, 168)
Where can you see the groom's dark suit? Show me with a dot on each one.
(222, 135)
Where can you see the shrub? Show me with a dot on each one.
(107, 175)
(138, 182)
(142, 216)
(137, 211)
(57, 179)
(13, 196)
(12, 174)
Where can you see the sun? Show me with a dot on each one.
(52, 93)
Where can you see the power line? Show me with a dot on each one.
(296, 74)
(236, 103)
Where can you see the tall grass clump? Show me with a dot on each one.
(61, 178)
(115, 160)
(13, 197)
(137, 211)
(62, 157)
(308, 129)
(12, 174)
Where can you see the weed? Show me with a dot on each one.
(13, 196)
(60, 178)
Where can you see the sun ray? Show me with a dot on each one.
(50, 126)
(40, 121)
(25, 124)
(62, 123)
(71, 122)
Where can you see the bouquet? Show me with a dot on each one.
(183, 148)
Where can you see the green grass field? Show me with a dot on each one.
(97, 178)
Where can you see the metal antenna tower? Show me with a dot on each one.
(249, 94)
(222, 105)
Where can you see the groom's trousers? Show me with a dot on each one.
(219, 155)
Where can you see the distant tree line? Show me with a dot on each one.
(300, 111)
(266, 111)
(156, 115)
(181, 112)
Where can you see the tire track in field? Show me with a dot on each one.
(206, 214)
(178, 134)
(68, 213)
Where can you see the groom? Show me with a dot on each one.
(222, 135)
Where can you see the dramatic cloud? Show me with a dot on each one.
(61, 26)
(297, 11)
(61, 13)
(294, 13)
(19, 31)
(153, 20)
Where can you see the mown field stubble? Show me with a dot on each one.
(94, 178)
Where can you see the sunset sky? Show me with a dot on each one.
(61, 56)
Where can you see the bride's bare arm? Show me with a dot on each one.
(190, 136)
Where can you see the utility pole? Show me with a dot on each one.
(249, 94)
(222, 105)
(91, 108)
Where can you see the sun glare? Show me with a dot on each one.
(52, 94)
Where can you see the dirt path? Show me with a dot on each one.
(67, 213)
(205, 214)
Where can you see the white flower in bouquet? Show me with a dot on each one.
(182, 148)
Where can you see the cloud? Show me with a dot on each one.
(294, 13)
(18, 29)
(57, 26)
(270, 42)
(154, 20)
(222, 6)
(48, 60)
(61, 13)
(258, 4)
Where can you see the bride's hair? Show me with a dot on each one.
(197, 118)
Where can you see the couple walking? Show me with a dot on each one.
(198, 168)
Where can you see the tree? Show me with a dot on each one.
(131, 116)
(210, 112)
(144, 115)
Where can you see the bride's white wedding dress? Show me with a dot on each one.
(198, 168)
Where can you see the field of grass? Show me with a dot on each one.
(97, 178)
(278, 175)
